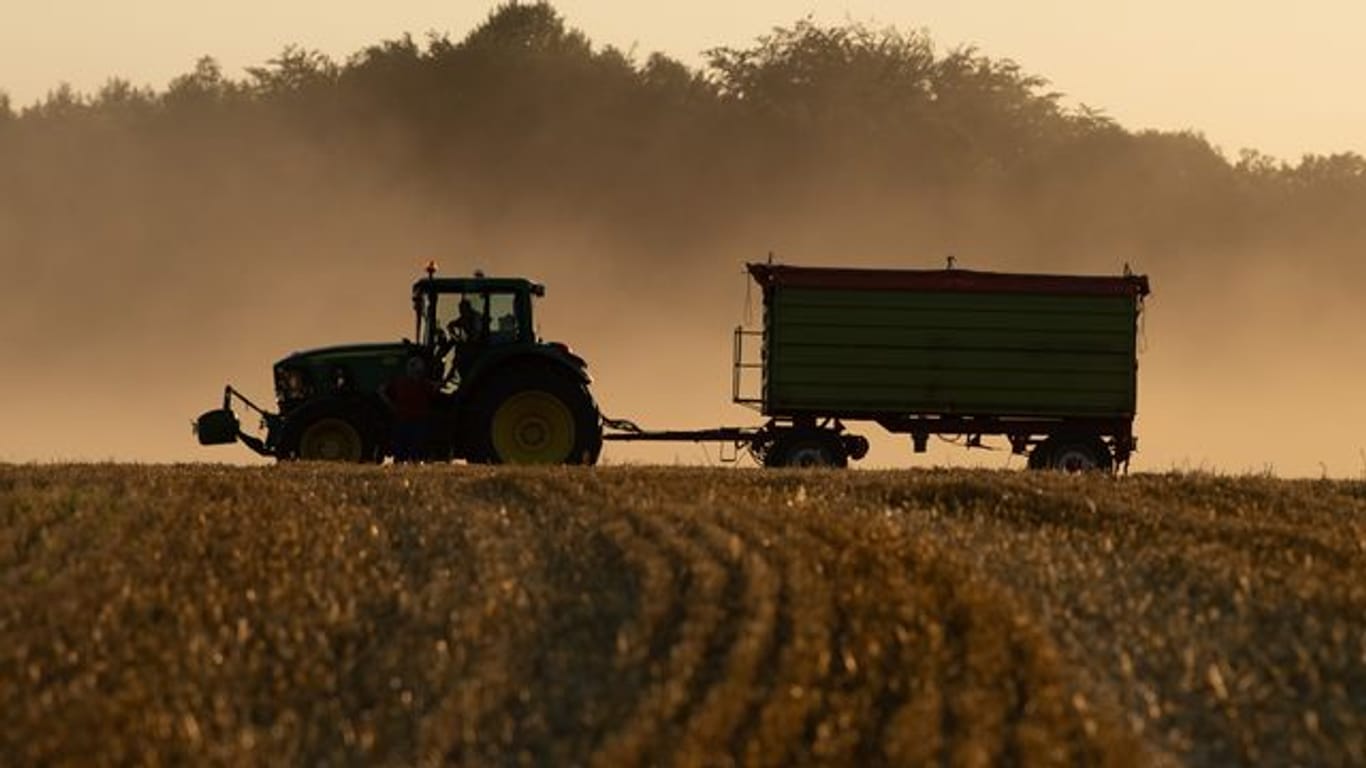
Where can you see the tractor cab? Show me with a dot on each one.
(460, 319)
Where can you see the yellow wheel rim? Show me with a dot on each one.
(330, 439)
(533, 428)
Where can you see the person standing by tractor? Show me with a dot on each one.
(410, 395)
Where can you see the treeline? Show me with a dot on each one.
(524, 113)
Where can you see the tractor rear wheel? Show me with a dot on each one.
(807, 448)
(536, 416)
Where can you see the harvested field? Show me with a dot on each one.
(624, 616)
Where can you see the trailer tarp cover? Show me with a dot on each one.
(945, 280)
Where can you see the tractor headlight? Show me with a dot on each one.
(290, 384)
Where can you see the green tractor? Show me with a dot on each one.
(496, 394)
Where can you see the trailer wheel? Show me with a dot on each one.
(536, 416)
(1088, 454)
(807, 448)
(855, 446)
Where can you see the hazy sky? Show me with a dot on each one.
(1285, 78)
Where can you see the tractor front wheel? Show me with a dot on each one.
(329, 432)
(331, 439)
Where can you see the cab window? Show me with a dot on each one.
(459, 314)
(502, 318)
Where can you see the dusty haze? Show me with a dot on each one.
(147, 266)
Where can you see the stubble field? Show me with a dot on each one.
(630, 616)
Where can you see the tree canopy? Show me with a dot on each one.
(525, 111)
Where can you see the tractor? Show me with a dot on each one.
(497, 393)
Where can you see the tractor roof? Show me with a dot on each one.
(478, 285)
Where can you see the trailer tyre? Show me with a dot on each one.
(855, 446)
(1088, 454)
(536, 416)
(807, 448)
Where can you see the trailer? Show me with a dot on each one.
(1047, 362)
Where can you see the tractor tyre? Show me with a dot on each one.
(330, 433)
(1072, 455)
(535, 415)
(807, 448)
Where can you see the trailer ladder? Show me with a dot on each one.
(741, 383)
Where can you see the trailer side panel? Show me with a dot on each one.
(911, 350)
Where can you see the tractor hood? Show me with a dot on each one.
(348, 352)
(340, 370)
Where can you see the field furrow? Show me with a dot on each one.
(735, 689)
(700, 581)
(795, 677)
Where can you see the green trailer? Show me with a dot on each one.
(1049, 362)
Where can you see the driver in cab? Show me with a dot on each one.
(463, 333)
